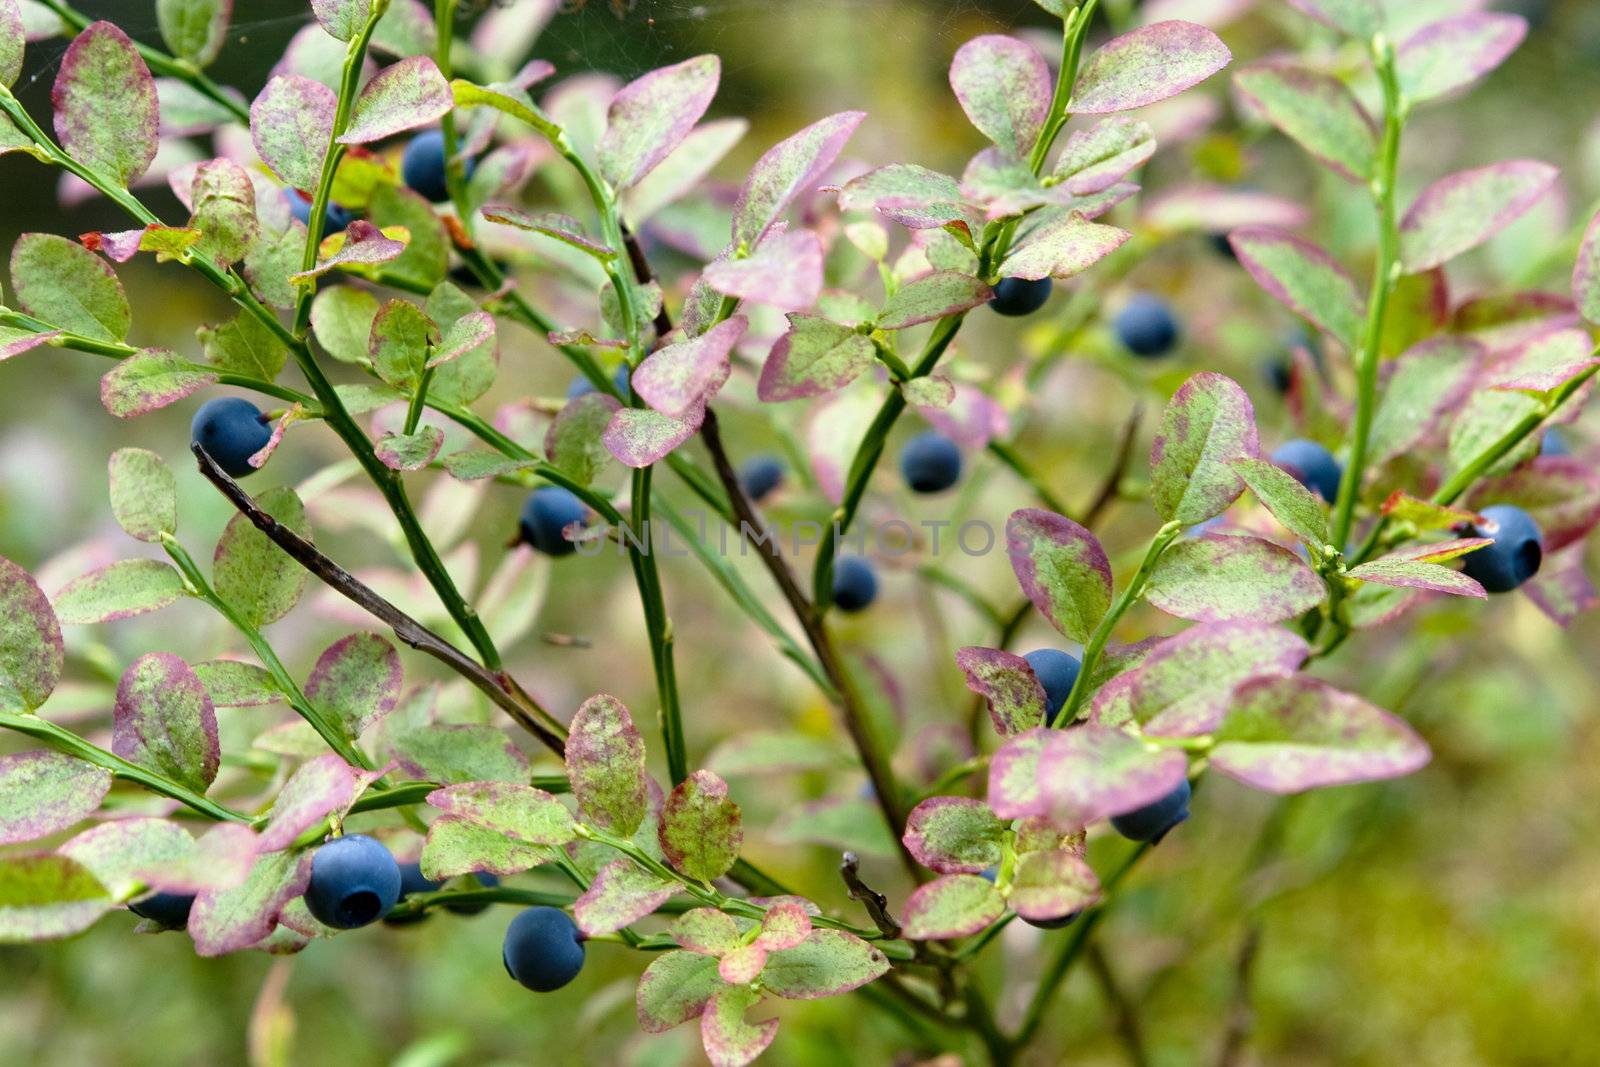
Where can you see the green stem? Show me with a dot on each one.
(1073, 31)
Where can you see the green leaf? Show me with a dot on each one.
(769, 752)
(256, 577)
(789, 169)
(426, 258)
(44, 792)
(701, 830)
(224, 211)
(13, 39)
(401, 337)
(815, 356)
(144, 494)
(706, 931)
(575, 441)
(827, 963)
(469, 95)
(605, 764)
(233, 684)
(411, 451)
(164, 721)
(69, 287)
(400, 97)
(1460, 212)
(1219, 578)
(1487, 416)
(273, 260)
(245, 345)
(1427, 381)
(676, 988)
(1316, 111)
(1291, 503)
(107, 115)
(956, 905)
(520, 812)
(322, 786)
(954, 835)
(1061, 568)
(1408, 573)
(31, 652)
(356, 682)
(621, 894)
(194, 29)
(1358, 18)
(443, 752)
(930, 297)
(456, 846)
(1061, 244)
(1586, 274)
(150, 380)
(119, 591)
(228, 920)
(1304, 278)
(1206, 425)
(342, 317)
(44, 897)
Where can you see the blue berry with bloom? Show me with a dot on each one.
(548, 512)
(1312, 465)
(543, 949)
(354, 881)
(761, 476)
(231, 430)
(1015, 297)
(855, 584)
(1147, 327)
(931, 462)
(1514, 557)
(1057, 672)
(1154, 821)
(422, 166)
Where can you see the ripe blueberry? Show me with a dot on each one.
(231, 430)
(170, 910)
(474, 881)
(1553, 444)
(931, 462)
(549, 511)
(1515, 555)
(354, 881)
(1146, 326)
(1019, 296)
(543, 949)
(1151, 822)
(761, 476)
(855, 584)
(1057, 672)
(335, 219)
(1054, 924)
(422, 166)
(1311, 465)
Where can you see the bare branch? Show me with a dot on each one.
(876, 903)
(1119, 468)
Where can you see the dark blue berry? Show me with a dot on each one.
(1019, 296)
(1514, 557)
(1054, 924)
(855, 584)
(549, 511)
(335, 219)
(1153, 821)
(990, 874)
(761, 476)
(1057, 672)
(170, 910)
(231, 430)
(931, 462)
(354, 881)
(543, 949)
(483, 881)
(1553, 444)
(412, 881)
(1311, 465)
(422, 166)
(1222, 246)
(1146, 326)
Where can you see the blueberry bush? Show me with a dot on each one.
(406, 215)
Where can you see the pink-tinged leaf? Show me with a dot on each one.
(291, 125)
(1053, 884)
(1113, 701)
(468, 752)
(954, 835)
(707, 931)
(44, 792)
(1500, 321)
(1221, 578)
(1440, 551)
(1061, 245)
(116, 852)
(972, 418)
(224, 201)
(320, 787)
(1061, 568)
(228, 920)
(1287, 735)
(1562, 493)
(1014, 791)
(833, 432)
(742, 965)
(15, 342)
(1091, 772)
(562, 228)
(403, 96)
(69, 287)
(606, 765)
(221, 859)
(1563, 589)
(409, 452)
(789, 169)
(1182, 688)
(683, 376)
(362, 243)
(638, 437)
(1546, 363)
(45, 897)
(165, 722)
(729, 1040)
(827, 963)
(575, 441)
(674, 989)
(144, 494)
(1585, 274)
(1413, 574)
(356, 682)
(683, 170)
(815, 356)
(119, 591)
(1316, 111)
(956, 905)
(520, 812)
(1452, 53)
(1099, 157)
(1358, 18)
(1016, 699)
(106, 111)
(784, 271)
(933, 392)
(1218, 209)
(456, 846)
(1206, 425)
(1291, 503)
(1460, 212)
(150, 380)
(913, 196)
(1004, 87)
(343, 19)
(650, 116)
(31, 652)
(786, 925)
(932, 296)
(13, 36)
(466, 335)
(620, 894)
(250, 572)
(1427, 382)
(701, 829)
(1304, 278)
(1149, 64)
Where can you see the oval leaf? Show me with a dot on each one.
(400, 97)
(68, 286)
(1149, 64)
(956, 905)
(701, 830)
(164, 721)
(42, 793)
(120, 591)
(1004, 87)
(605, 764)
(106, 111)
(1219, 578)
(954, 835)
(650, 116)
(1206, 425)
(144, 494)
(1460, 212)
(31, 652)
(356, 682)
(1061, 568)
(1303, 278)
(250, 572)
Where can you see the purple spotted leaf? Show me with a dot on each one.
(106, 112)
(363, 244)
(1482, 421)
(955, 905)
(343, 19)
(1220, 578)
(1287, 735)
(1147, 65)
(256, 577)
(1415, 574)
(44, 792)
(1004, 87)
(1440, 551)
(575, 441)
(639, 437)
(789, 169)
(409, 452)
(954, 835)
(69, 287)
(466, 752)
(742, 966)
(116, 852)
(1061, 568)
(563, 228)
(45, 897)
(236, 684)
(682, 171)
(144, 494)
(456, 846)
(651, 116)
(1316, 111)
(1585, 274)
(913, 196)
(320, 787)
(471, 332)
(784, 271)
(606, 766)
(786, 925)
(1563, 589)
(1460, 212)
(1061, 244)
(194, 29)
(1095, 159)
(520, 812)
(224, 201)
(933, 392)
(1219, 209)
(150, 380)
(622, 893)
(828, 962)
(1304, 278)
(228, 920)
(1207, 424)
(707, 931)
(815, 356)
(1291, 503)
(31, 652)
(674, 989)
(1014, 791)
(356, 682)
(1358, 18)
(681, 377)
(13, 37)
(1446, 56)
(1016, 699)
(403, 96)
(291, 124)
(1544, 364)
(1425, 383)
(701, 829)
(221, 858)
(1051, 884)
(119, 591)
(399, 341)
(1091, 772)
(1183, 687)
(932, 296)
(729, 1039)
(165, 722)
(15, 342)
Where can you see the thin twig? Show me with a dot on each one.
(876, 903)
(1241, 1017)
(1119, 469)
(1127, 1018)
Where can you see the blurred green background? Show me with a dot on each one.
(1447, 919)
